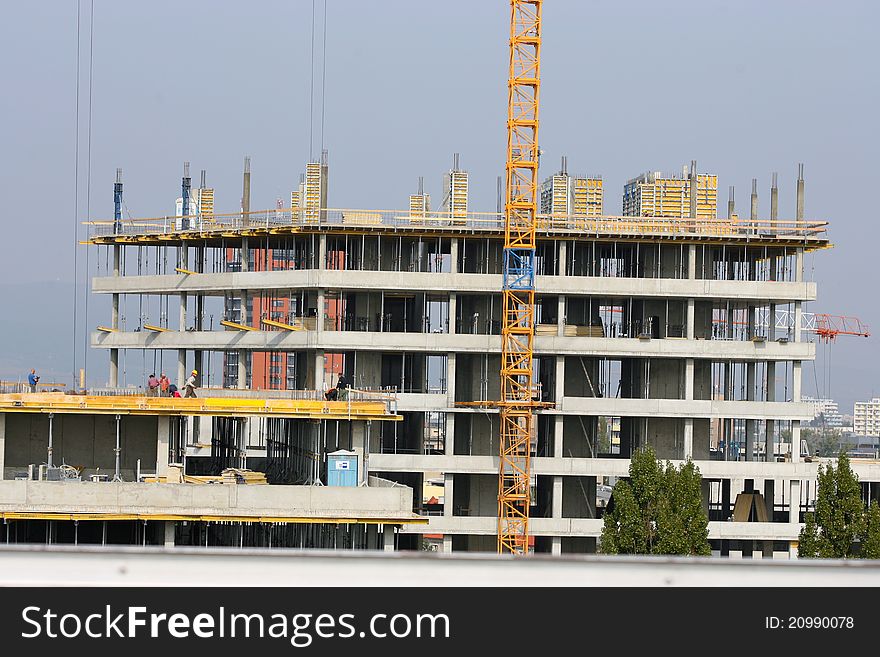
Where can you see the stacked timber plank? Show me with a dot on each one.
(545, 329)
(242, 476)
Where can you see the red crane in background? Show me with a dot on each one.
(828, 327)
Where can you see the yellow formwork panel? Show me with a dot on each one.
(58, 402)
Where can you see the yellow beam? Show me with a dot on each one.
(236, 325)
(158, 329)
(106, 329)
(181, 270)
(196, 517)
(282, 325)
(312, 409)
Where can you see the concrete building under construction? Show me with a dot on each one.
(659, 328)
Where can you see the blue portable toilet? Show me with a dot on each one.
(342, 468)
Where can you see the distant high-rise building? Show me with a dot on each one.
(575, 196)
(825, 409)
(866, 418)
(654, 195)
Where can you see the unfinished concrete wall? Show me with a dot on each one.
(579, 436)
(578, 497)
(84, 441)
(581, 376)
(476, 377)
(476, 434)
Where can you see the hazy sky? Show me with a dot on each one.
(745, 88)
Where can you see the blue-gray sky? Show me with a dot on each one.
(745, 88)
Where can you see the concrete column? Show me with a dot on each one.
(799, 208)
(798, 320)
(447, 543)
(690, 331)
(795, 441)
(557, 497)
(319, 323)
(770, 500)
(774, 198)
(562, 262)
(162, 441)
(389, 538)
(693, 189)
(769, 438)
(689, 379)
(692, 261)
(751, 425)
(560, 315)
(753, 215)
(449, 444)
(448, 494)
(114, 322)
(183, 262)
(322, 251)
(688, 451)
(794, 501)
(559, 393)
(453, 255)
(556, 545)
(319, 369)
(453, 312)
(557, 436)
(450, 379)
(244, 257)
(169, 533)
(2, 444)
(796, 381)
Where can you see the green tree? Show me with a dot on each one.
(658, 510)
(841, 527)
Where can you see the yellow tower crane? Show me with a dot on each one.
(518, 400)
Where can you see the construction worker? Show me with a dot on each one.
(190, 385)
(152, 386)
(163, 385)
(342, 386)
(32, 380)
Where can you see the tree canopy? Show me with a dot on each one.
(658, 510)
(841, 527)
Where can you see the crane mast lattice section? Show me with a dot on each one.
(517, 405)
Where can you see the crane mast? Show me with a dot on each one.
(517, 405)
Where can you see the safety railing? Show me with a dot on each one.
(203, 225)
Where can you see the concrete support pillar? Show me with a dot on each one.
(689, 379)
(245, 266)
(799, 207)
(2, 444)
(753, 215)
(319, 369)
(796, 371)
(114, 321)
(562, 262)
(557, 436)
(556, 545)
(450, 379)
(449, 443)
(794, 501)
(453, 256)
(319, 323)
(453, 313)
(692, 261)
(795, 441)
(169, 533)
(560, 315)
(322, 252)
(688, 451)
(557, 497)
(769, 439)
(798, 321)
(689, 328)
(181, 369)
(389, 538)
(448, 494)
(162, 440)
(559, 393)
(447, 543)
(751, 425)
